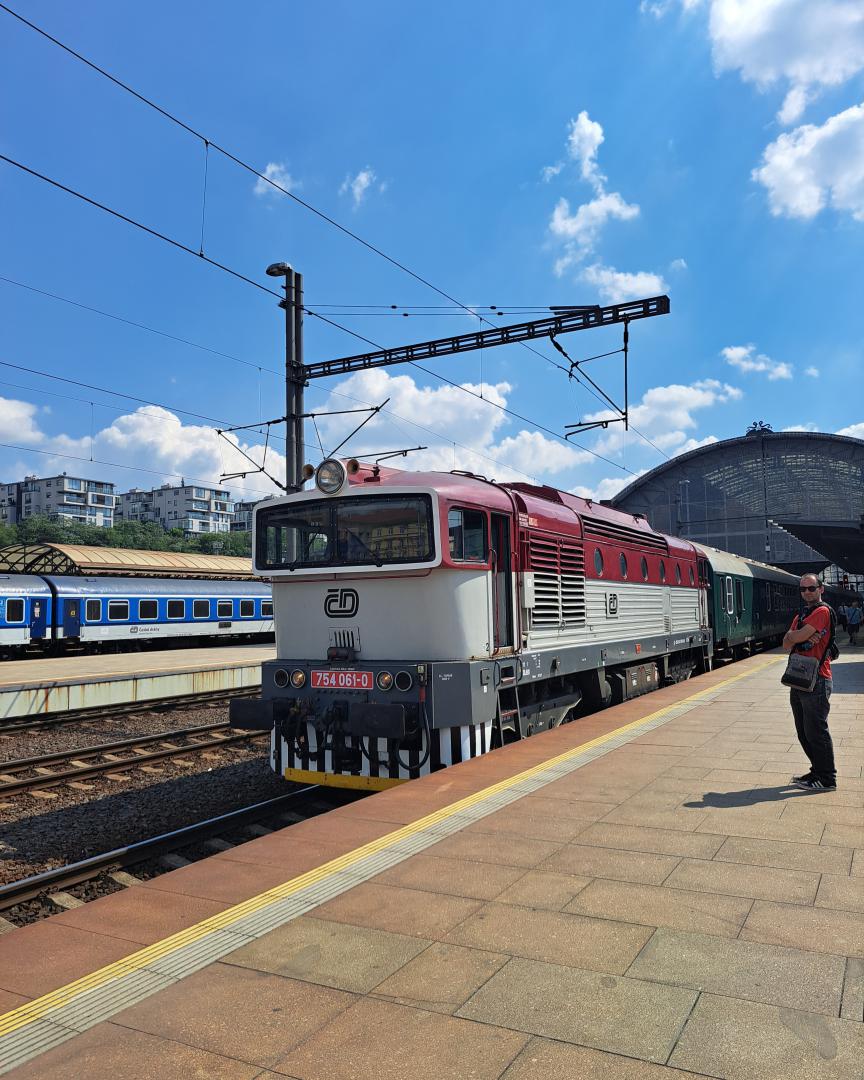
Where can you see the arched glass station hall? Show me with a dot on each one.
(794, 499)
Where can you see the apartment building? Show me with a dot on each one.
(193, 509)
(64, 498)
(243, 514)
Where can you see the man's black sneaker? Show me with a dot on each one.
(812, 783)
(803, 778)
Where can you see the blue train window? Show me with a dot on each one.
(266, 609)
(200, 609)
(14, 611)
(118, 610)
(224, 609)
(148, 610)
(176, 609)
(598, 560)
(93, 611)
(247, 609)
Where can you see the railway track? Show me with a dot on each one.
(42, 886)
(122, 755)
(35, 722)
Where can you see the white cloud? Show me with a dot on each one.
(359, 185)
(745, 358)
(581, 230)
(813, 372)
(811, 167)
(616, 286)
(18, 422)
(809, 426)
(607, 488)
(276, 171)
(549, 172)
(665, 415)
(677, 265)
(855, 431)
(694, 444)
(583, 141)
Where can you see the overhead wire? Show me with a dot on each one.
(262, 177)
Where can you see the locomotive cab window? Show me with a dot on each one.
(93, 611)
(148, 610)
(365, 530)
(224, 609)
(200, 609)
(14, 610)
(247, 609)
(468, 535)
(176, 609)
(118, 610)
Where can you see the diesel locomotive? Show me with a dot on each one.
(425, 618)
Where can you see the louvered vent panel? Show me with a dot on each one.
(572, 585)
(612, 531)
(559, 583)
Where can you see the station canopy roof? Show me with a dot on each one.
(79, 559)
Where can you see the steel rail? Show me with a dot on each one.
(84, 772)
(31, 888)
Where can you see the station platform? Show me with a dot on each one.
(638, 895)
(63, 684)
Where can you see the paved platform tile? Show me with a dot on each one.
(543, 1059)
(329, 953)
(441, 978)
(109, 1052)
(741, 1040)
(457, 877)
(739, 879)
(204, 1009)
(812, 928)
(400, 911)
(552, 936)
(622, 1016)
(850, 836)
(506, 850)
(733, 823)
(541, 889)
(390, 1042)
(841, 891)
(537, 825)
(658, 841)
(766, 973)
(655, 905)
(852, 1006)
(589, 861)
(785, 855)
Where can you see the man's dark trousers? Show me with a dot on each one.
(811, 724)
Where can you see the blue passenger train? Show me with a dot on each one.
(44, 613)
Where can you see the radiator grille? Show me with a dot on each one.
(613, 532)
(344, 639)
(559, 583)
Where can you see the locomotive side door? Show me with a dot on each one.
(502, 582)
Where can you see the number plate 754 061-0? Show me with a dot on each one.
(342, 680)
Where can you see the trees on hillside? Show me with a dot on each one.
(146, 536)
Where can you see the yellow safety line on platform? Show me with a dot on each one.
(44, 1005)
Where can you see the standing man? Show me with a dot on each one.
(853, 620)
(810, 634)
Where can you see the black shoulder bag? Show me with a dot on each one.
(802, 671)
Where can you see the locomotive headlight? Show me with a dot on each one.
(404, 681)
(298, 678)
(280, 677)
(330, 476)
(384, 680)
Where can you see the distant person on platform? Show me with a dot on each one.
(853, 621)
(843, 616)
(810, 635)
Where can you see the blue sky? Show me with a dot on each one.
(712, 150)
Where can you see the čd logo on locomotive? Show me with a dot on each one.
(341, 603)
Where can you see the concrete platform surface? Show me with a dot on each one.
(639, 895)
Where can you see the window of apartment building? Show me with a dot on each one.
(118, 610)
(14, 611)
(225, 609)
(93, 611)
(176, 609)
(200, 609)
(266, 609)
(148, 610)
(247, 609)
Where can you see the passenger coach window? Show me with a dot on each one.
(266, 609)
(93, 611)
(200, 609)
(730, 603)
(467, 535)
(225, 609)
(247, 609)
(14, 611)
(176, 609)
(148, 610)
(118, 610)
(739, 595)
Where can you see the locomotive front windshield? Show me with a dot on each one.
(360, 531)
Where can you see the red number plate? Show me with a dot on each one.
(342, 680)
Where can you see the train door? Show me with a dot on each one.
(502, 582)
(703, 592)
(72, 618)
(38, 618)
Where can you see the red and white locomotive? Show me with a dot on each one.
(425, 618)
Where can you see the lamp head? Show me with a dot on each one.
(280, 269)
